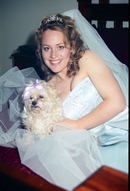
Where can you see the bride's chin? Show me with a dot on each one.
(56, 70)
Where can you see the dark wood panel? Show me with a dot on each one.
(104, 11)
(105, 179)
(109, 12)
(13, 179)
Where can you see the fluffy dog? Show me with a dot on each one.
(41, 108)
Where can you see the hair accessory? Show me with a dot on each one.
(54, 18)
(28, 88)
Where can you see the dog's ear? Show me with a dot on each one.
(22, 98)
(50, 90)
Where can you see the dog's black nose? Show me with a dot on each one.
(34, 103)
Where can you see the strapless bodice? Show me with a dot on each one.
(81, 100)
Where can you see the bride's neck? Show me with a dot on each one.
(62, 76)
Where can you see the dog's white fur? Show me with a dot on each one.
(39, 117)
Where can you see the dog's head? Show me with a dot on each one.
(39, 97)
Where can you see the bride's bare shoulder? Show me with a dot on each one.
(89, 58)
(88, 54)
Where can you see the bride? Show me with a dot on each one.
(93, 86)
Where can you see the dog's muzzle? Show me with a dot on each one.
(34, 103)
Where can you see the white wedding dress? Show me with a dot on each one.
(67, 156)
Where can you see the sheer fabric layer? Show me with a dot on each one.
(65, 158)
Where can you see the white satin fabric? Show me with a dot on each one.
(112, 136)
(82, 100)
(67, 157)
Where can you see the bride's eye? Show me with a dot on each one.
(45, 48)
(60, 47)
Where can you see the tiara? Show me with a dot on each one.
(54, 18)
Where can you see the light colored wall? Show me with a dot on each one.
(19, 20)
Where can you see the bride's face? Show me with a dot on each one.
(56, 54)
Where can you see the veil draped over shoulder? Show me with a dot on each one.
(65, 158)
(94, 42)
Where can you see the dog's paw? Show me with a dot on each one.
(50, 129)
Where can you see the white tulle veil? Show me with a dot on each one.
(69, 162)
(94, 42)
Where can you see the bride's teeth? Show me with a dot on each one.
(55, 62)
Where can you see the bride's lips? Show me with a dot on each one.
(55, 63)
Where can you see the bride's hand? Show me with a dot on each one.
(69, 123)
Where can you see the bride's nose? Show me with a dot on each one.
(53, 53)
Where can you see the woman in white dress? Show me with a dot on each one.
(92, 85)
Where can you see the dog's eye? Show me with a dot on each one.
(41, 96)
(31, 97)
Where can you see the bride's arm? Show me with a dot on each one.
(107, 86)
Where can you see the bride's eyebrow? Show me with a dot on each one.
(45, 45)
(62, 43)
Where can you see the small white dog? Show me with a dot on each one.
(42, 107)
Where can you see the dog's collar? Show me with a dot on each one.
(27, 89)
